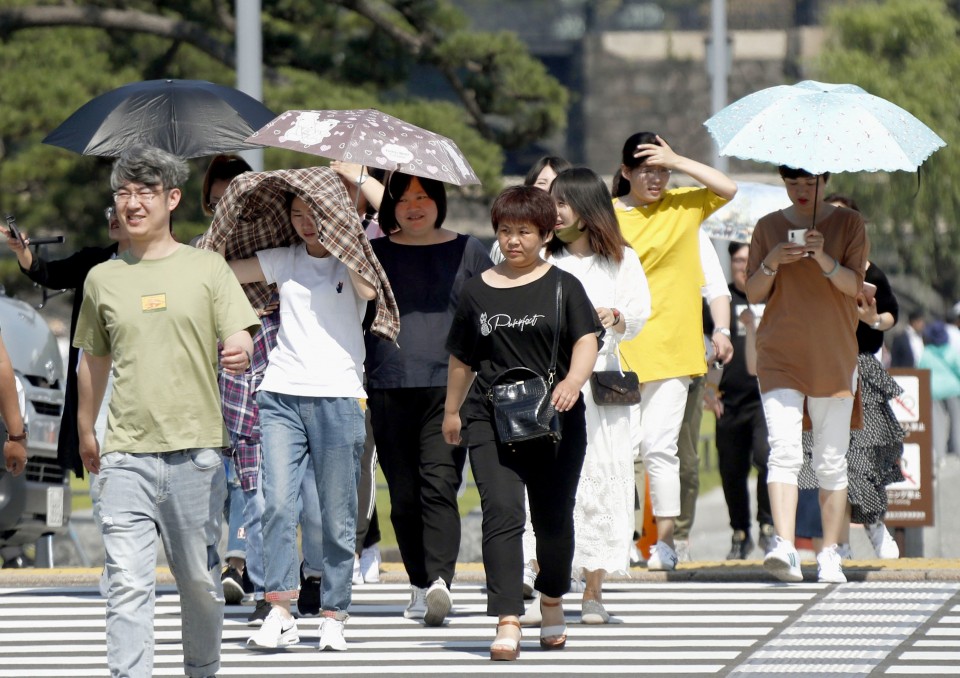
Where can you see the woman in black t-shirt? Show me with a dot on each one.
(406, 385)
(507, 318)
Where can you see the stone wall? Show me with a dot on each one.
(658, 81)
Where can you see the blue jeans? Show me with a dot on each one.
(252, 515)
(233, 510)
(330, 432)
(311, 525)
(180, 495)
(310, 529)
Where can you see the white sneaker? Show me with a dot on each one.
(846, 553)
(829, 569)
(783, 561)
(357, 575)
(331, 635)
(417, 608)
(884, 544)
(275, 632)
(577, 585)
(370, 564)
(529, 580)
(439, 603)
(662, 557)
(682, 549)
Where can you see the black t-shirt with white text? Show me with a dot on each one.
(495, 329)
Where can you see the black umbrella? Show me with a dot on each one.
(189, 118)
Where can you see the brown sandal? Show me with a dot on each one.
(505, 649)
(552, 637)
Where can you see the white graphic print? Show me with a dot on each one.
(488, 325)
(309, 129)
(485, 328)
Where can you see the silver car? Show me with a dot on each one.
(36, 503)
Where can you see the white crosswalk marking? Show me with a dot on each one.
(663, 629)
(853, 631)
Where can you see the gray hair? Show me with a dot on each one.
(149, 166)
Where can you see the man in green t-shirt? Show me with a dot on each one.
(155, 315)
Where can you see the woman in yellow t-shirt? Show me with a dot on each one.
(662, 226)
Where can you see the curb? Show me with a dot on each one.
(901, 570)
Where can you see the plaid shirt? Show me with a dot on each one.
(240, 413)
(253, 216)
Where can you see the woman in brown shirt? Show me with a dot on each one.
(807, 263)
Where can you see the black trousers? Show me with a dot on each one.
(368, 524)
(551, 473)
(742, 441)
(423, 475)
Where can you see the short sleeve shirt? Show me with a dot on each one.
(807, 339)
(666, 237)
(426, 282)
(319, 351)
(496, 329)
(160, 321)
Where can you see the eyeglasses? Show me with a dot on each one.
(109, 213)
(650, 172)
(144, 196)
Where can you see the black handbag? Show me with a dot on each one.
(520, 397)
(613, 387)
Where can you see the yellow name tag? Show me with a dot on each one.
(153, 302)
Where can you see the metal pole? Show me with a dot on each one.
(719, 73)
(250, 63)
(720, 66)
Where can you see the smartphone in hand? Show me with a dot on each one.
(797, 236)
(14, 231)
(869, 292)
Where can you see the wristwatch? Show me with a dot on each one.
(725, 331)
(17, 438)
(363, 177)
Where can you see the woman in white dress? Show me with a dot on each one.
(588, 244)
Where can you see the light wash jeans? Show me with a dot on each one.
(330, 432)
(233, 511)
(180, 495)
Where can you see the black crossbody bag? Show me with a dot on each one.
(520, 397)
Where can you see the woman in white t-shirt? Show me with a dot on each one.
(309, 407)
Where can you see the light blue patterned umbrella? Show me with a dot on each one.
(820, 127)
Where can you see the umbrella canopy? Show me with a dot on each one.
(735, 220)
(189, 118)
(253, 216)
(821, 127)
(371, 138)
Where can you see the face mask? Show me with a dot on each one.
(571, 233)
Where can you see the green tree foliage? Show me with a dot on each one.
(484, 91)
(907, 51)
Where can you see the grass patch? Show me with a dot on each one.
(709, 479)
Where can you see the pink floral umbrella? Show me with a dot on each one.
(370, 138)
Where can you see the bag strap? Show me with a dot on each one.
(556, 334)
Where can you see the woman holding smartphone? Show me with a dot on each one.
(807, 356)
(873, 458)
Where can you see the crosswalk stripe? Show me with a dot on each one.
(666, 629)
